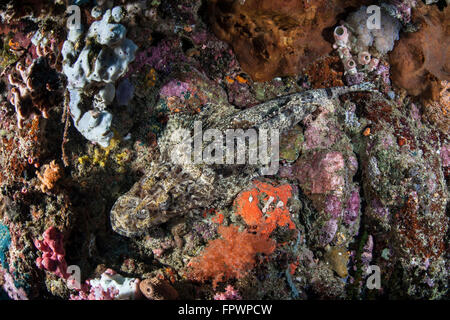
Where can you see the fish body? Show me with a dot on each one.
(171, 189)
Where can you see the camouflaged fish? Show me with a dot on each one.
(170, 189)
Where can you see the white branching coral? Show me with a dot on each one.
(95, 68)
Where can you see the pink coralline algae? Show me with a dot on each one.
(366, 255)
(207, 230)
(379, 210)
(445, 156)
(229, 294)
(322, 173)
(352, 210)
(353, 79)
(240, 95)
(53, 253)
(175, 88)
(10, 288)
(321, 133)
(383, 71)
(333, 206)
(328, 232)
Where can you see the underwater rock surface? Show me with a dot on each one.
(272, 38)
(225, 150)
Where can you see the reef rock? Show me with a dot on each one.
(438, 112)
(420, 57)
(275, 38)
(407, 198)
(174, 185)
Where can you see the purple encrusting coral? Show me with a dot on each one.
(404, 8)
(322, 172)
(321, 133)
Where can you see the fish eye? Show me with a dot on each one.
(142, 214)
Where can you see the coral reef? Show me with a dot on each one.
(400, 210)
(272, 39)
(362, 46)
(224, 150)
(173, 185)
